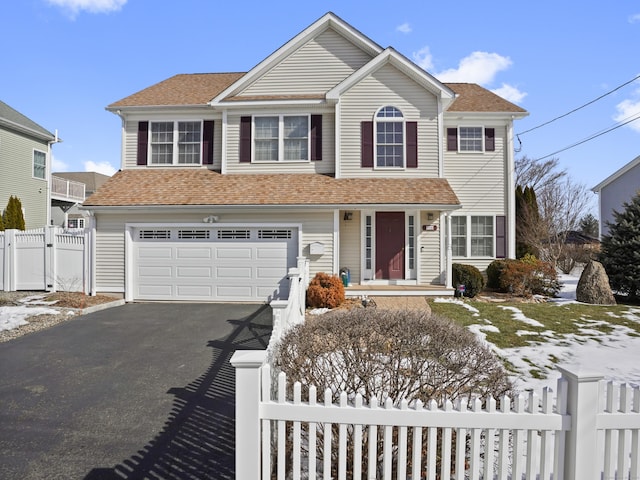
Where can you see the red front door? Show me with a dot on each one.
(389, 245)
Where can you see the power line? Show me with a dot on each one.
(579, 108)
(591, 137)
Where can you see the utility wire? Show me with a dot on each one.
(591, 137)
(579, 108)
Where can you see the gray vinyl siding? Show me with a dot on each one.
(350, 246)
(316, 67)
(388, 86)
(613, 195)
(130, 141)
(324, 166)
(16, 177)
(429, 250)
(110, 238)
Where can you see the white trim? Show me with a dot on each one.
(376, 121)
(510, 195)
(223, 144)
(46, 163)
(338, 140)
(281, 138)
(482, 136)
(441, 139)
(336, 241)
(175, 154)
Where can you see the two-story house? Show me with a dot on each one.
(25, 165)
(332, 148)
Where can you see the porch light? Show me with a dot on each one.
(347, 216)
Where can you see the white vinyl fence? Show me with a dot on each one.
(587, 430)
(44, 259)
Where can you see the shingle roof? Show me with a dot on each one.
(474, 98)
(12, 118)
(184, 187)
(200, 88)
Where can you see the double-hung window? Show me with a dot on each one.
(175, 143)
(39, 164)
(389, 137)
(470, 139)
(472, 236)
(281, 138)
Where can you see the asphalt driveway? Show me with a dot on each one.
(139, 391)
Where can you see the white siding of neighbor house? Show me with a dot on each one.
(350, 245)
(110, 238)
(315, 67)
(130, 140)
(429, 250)
(388, 86)
(324, 166)
(615, 194)
(16, 176)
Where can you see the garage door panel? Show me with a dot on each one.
(191, 272)
(246, 268)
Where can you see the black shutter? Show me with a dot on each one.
(366, 144)
(207, 142)
(452, 139)
(143, 143)
(245, 139)
(489, 139)
(501, 236)
(316, 137)
(412, 144)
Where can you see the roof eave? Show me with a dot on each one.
(49, 137)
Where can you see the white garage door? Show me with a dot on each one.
(212, 263)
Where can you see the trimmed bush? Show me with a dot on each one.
(494, 272)
(530, 276)
(325, 291)
(470, 277)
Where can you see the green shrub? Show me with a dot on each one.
(470, 277)
(325, 291)
(530, 276)
(494, 272)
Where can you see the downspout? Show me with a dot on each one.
(123, 127)
(449, 279)
(510, 193)
(440, 138)
(56, 139)
(223, 160)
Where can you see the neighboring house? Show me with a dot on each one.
(615, 190)
(68, 190)
(25, 162)
(332, 148)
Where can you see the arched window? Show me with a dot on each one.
(389, 137)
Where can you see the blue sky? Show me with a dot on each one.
(64, 61)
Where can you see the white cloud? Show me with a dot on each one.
(479, 67)
(634, 18)
(509, 92)
(104, 168)
(74, 7)
(629, 108)
(58, 165)
(404, 28)
(423, 58)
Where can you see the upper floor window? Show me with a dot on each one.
(39, 164)
(471, 139)
(175, 143)
(389, 128)
(281, 138)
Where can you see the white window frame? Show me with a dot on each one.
(469, 235)
(175, 143)
(281, 139)
(79, 220)
(377, 120)
(44, 166)
(460, 149)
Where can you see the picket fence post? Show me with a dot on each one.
(581, 447)
(247, 364)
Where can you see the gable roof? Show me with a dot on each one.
(203, 187)
(614, 176)
(11, 118)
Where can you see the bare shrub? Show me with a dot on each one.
(530, 276)
(384, 354)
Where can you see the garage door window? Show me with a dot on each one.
(194, 234)
(234, 234)
(155, 234)
(274, 234)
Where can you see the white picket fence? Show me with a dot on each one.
(48, 259)
(588, 430)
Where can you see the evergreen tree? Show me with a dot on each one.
(621, 250)
(1, 223)
(527, 220)
(589, 225)
(13, 217)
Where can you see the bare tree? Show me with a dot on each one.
(561, 204)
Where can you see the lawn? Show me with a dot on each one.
(532, 338)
